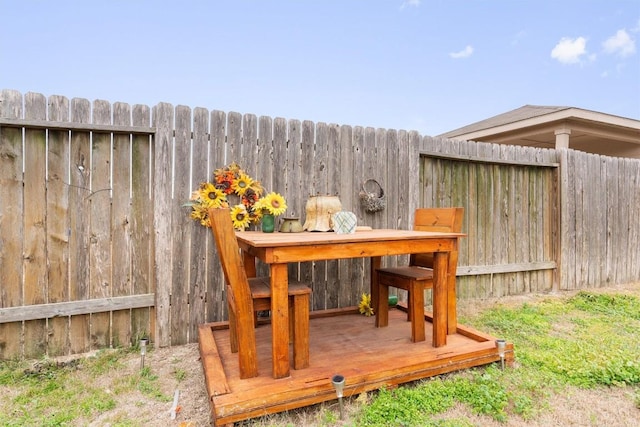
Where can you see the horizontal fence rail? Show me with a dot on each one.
(97, 248)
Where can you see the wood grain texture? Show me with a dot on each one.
(121, 224)
(58, 225)
(100, 266)
(35, 212)
(79, 221)
(11, 224)
(539, 219)
(369, 358)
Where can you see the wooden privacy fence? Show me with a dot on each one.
(510, 195)
(97, 249)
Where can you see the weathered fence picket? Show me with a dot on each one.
(94, 226)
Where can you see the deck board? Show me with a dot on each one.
(342, 343)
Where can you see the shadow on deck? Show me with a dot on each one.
(341, 342)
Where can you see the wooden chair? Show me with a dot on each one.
(418, 275)
(254, 294)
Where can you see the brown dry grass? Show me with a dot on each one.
(614, 407)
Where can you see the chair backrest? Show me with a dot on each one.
(435, 219)
(239, 292)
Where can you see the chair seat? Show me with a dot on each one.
(409, 272)
(260, 288)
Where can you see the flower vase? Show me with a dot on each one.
(268, 223)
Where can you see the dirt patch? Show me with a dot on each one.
(179, 368)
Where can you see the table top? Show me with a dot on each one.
(259, 239)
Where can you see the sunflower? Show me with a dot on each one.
(365, 305)
(232, 186)
(199, 213)
(240, 217)
(211, 196)
(274, 203)
(242, 184)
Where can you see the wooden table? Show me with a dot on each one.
(279, 249)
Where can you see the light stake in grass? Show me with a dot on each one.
(502, 345)
(338, 384)
(143, 351)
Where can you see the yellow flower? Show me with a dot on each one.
(242, 184)
(240, 217)
(365, 305)
(274, 203)
(199, 213)
(232, 186)
(210, 195)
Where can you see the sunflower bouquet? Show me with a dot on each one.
(233, 187)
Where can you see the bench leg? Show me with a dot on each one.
(416, 307)
(301, 331)
(382, 308)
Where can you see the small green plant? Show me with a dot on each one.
(483, 392)
(179, 374)
(147, 384)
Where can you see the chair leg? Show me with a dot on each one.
(382, 309)
(416, 307)
(300, 331)
(233, 332)
(292, 319)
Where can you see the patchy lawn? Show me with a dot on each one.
(577, 363)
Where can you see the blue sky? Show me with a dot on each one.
(430, 66)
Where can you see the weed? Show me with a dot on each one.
(589, 340)
(147, 384)
(105, 361)
(180, 374)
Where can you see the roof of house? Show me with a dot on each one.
(542, 113)
(538, 125)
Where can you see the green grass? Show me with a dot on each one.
(51, 394)
(586, 341)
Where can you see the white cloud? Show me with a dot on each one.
(569, 51)
(464, 53)
(620, 44)
(410, 3)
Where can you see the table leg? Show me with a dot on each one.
(452, 310)
(440, 300)
(280, 320)
(376, 262)
(249, 262)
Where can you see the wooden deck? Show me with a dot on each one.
(341, 342)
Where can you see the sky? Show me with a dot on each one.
(426, 65)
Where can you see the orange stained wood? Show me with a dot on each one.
(344, 342)
(278, 249)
